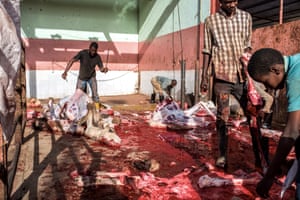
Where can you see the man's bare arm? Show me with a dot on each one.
(68, 67)
(205, 75)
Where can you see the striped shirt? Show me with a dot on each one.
(225, 39)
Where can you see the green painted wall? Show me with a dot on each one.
(51, 15)
(158, 18)
(53, 31)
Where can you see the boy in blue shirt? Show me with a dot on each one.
(274, 70)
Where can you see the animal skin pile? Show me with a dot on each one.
(152, 187)
(77, 114)
(169, 114)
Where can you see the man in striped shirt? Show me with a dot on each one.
(227, 35)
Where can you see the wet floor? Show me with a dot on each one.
(49, 161)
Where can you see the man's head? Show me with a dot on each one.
(93, 49)
(267, 66)
(229, 6)
(173, 83)
(169, 87)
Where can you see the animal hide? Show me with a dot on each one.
(207, 181)
(10, 58)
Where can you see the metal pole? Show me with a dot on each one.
(197, 71)
(197, 82)
(281, 12)
(182, 99)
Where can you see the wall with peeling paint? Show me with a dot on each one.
(284, 37)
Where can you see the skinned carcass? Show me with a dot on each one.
(77, 115)
(229, 180)
(10, 57)
(103, 134)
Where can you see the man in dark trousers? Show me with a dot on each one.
(88, 58)
(227, 35)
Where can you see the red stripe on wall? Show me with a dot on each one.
(49, 54)
(165, 52)
(161, 53)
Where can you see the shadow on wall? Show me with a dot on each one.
(166, 14)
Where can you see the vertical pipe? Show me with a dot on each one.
(197, 82)
(182, 99)
(197, 71)
(281, 12)
(138, 54)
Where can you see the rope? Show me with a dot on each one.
(76, 74)
(174, 62)
(118, 76)
(107, 57)
(180, 33)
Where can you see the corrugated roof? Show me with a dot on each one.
(267, 12)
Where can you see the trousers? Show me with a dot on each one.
(92, 82)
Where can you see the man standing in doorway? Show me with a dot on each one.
(227, 36)
(88, 58)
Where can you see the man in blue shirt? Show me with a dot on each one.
(274, 70)
(161, 86)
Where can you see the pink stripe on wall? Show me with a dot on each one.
(161, 53)
(49, 54)
(166, 51)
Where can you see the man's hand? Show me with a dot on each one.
(104, 70)
(165, 93)
(204, 84)
(245, 59)
(64, 75)
(263, 187)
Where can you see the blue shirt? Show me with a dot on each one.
(163, 81)
(292, 71)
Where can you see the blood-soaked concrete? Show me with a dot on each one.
(48, 160)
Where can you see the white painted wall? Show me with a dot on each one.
(50, 83)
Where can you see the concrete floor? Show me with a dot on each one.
(47, 159)
(41, 152)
